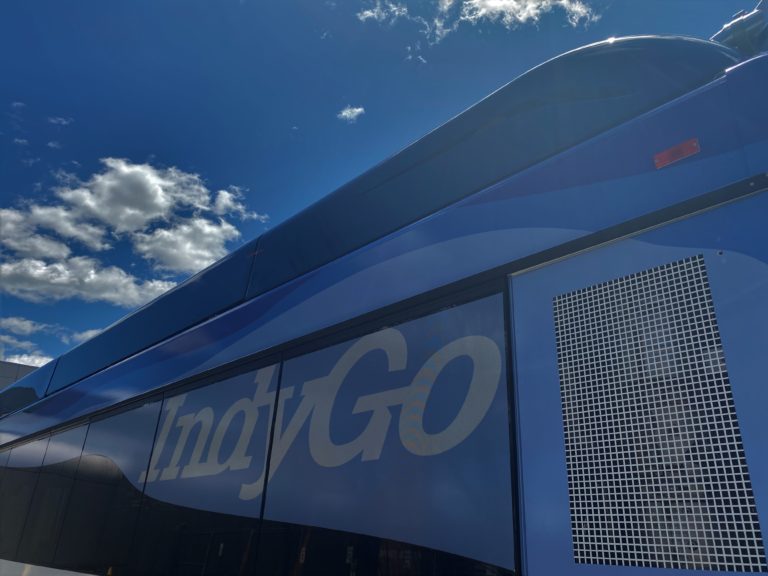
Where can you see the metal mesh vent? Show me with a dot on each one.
(656, 467)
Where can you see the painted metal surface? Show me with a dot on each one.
(402, 434)
(536, 116)
(27, 390)
(537, 209)
(215, 289)
(547, 110)
(733, 242)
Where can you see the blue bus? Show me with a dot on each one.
(530, 343)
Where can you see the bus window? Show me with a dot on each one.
(41, 531)
(402, 434)
(99, 524)
(211, 442)
(16, 491)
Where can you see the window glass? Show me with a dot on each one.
(203, 491)
(101, 516)
(16, 492)
(46, 513)
(289, 549)
(3, 463)
(27, 390)
(401, 434)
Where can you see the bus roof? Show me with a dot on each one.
(551, 108)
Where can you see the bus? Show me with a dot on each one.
(530, 343)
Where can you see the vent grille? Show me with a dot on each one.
(656, 467)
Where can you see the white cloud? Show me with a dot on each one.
(17, 344)
(27, 352)
(17, 233)
(26, 327)
(168, 216)
(128, 197)
(21, 141)
(22, 326)
(383, 11)
(514, 12)
(350, 114)
(29, 359)
(187, 247)
(54, 144)
(60, 120)
(229, 202)
(78, 277)
(18, 105)
(86, 335)
(412, 53)
(65, 223)
(447, 15)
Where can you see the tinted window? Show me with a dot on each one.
(3, 463)
(203, 495)
(401, 434)
(289, 549)
(49, 503)
(101, 517)
(27, 390)
(16, 492)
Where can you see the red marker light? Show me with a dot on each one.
(677, 153)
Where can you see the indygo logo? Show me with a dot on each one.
(317, 401)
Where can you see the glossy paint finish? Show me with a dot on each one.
(378, 426)
(547, 110)
(485, 145)
(734, 243)
(215, 289)
(27, 390)
(377, 446)
(750, 113)
(537, 209)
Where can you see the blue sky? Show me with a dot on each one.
(142, 140)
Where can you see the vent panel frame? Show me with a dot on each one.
(657, 474)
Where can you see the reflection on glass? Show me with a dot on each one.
(101, 516)
(288, 550)
(3, 462)
(211, 442)
(29, 389)
(16, 491)
(212, 445)
(402, 434)
(49, 503)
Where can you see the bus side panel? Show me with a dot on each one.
(748, 87)
(641, 397)
(532, 211)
